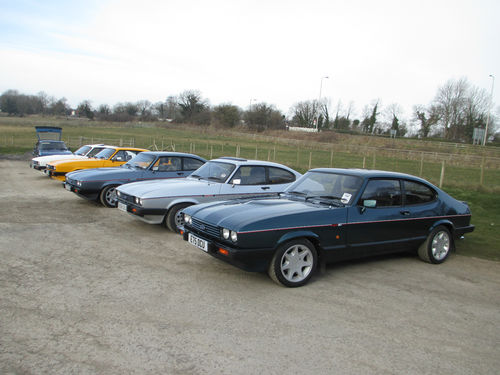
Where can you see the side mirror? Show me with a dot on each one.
(154, 169)
(236, 181)
(370, 203)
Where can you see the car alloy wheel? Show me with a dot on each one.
(293, 263)
(108, 196)
(437, 246)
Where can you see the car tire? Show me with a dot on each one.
(107, 196)
(437, 246)
(173, 219)
(293, 263)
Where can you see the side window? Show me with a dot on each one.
(250, 175)
(191, 164)
(120, 156)
(385, 193)
(130, 154)
(168, 164)
(280, 176)
(416, 193)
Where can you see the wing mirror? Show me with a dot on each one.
(236, 181)
(368, 203)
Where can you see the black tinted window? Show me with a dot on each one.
(280, 176)
(386, 193)
(191, 164)
(250, 175)
(416, 193)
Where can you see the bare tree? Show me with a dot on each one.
(304, 114)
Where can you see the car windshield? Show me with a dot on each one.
(53, 146)
(325, 185)
(94, 152)
(105, 154)
(141, 161)
(214, 171)
(83, 150)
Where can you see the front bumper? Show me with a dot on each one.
(148, 215)
(87, 194)
(251, 260)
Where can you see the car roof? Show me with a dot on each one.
(367, 173)
(241, 161)
(171, 153)
(118, 148)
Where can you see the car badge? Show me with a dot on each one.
(203, 227)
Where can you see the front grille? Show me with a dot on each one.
(126, 198)
(51, 167)
(205, 228)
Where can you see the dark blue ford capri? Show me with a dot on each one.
(329, 215)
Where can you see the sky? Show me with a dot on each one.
(247, 52)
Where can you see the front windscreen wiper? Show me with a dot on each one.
(329, 198)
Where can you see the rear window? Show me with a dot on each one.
(280, 176)
(417, 193)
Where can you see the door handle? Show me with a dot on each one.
(265, 187)
(406, 213)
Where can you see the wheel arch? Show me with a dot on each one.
(175, 202)
(308, 235)
(444, 222)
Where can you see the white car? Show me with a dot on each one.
(86, 151)
(161, 202)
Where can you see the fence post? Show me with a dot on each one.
(442, 175)
(364, 162)
(481, 177)
(268, 155)
(256, 151)
(298, 151)
(310, 159)
(331, 158)
(421, 164)
(274, 155)
(211, 151)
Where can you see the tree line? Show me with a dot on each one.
(457, 108)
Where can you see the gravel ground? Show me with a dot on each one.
(85, 290)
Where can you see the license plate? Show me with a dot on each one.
(122, 206)
(198, 242)
(67, 187)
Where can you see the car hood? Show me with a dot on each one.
(169, 188)
(267, 214)
(50, 153)
(107, 173)
(48, 158)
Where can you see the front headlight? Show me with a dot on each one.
(118, 194)
(225, 233)
(78, 183)
(138, 201)
(234, 236)
(187, 219)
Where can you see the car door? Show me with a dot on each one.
(166, 167)
(378, 223)
(247, 180)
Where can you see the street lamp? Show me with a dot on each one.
(489, 110)
(319, 100)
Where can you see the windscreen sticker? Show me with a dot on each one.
(346, 198)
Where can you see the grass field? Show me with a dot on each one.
(462, 179)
